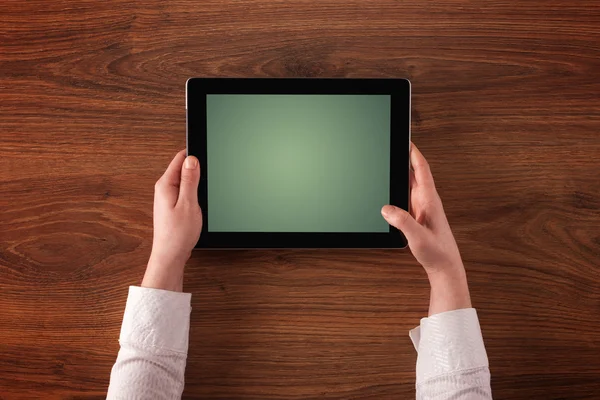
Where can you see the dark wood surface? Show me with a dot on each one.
(506, 108)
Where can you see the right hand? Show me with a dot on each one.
(430, 238)
(425, 227)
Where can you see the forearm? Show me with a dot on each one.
(147, 373)
(154, 343)
(452, 361)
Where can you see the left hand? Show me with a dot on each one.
(177, 223)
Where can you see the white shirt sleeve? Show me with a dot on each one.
(452, 362)
(154, 345)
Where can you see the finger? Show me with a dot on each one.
(402, 220)
(190, 177)
(421, 167)
(173, 172)
(167, 186)
(412, 181)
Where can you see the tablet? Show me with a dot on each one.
(299, 163)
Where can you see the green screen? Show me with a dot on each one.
(297, 163)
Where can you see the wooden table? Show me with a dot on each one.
(506, 108)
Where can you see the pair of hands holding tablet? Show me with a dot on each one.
(178, 223)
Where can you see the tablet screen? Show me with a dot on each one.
(297, 163)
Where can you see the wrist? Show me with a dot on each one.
(164, 273)
(167, 260)
(449, 290)
(446, 272)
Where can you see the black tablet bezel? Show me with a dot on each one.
(399, 89)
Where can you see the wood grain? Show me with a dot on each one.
(506, 108)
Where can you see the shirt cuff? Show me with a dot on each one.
(156, 318)
(448, 342)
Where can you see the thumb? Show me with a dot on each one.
(402, 220)
(190, 176)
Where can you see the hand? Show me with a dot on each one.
(430, 239)
(177, 223)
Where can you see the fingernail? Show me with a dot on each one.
(386, 210)
(191, 162)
